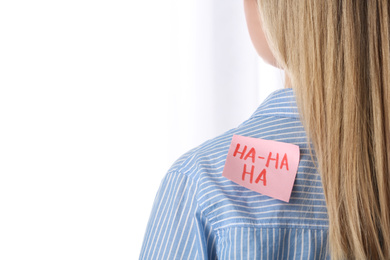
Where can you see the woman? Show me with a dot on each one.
(336, 55)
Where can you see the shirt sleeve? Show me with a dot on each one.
(177, 229)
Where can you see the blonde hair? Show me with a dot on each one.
(336, 53)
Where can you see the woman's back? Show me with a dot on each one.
(199, 214)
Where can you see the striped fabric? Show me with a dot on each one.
(199, 214)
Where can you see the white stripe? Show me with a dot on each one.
(288, 249)
(192, 246)
(273, 113)
(277, 202)
(188, 237)
(215, 187)
(255, 243)
(276, 224)
(308, 252)
(182, 227)
(321, 243)
(248, 242)
(282, 136)
(279, 217)
(308, 186)
(275, 127)
(306, 192)
(280, 235)
(205, 226)
(267, 245)
(165, 216)
(261, 242)
(221, 181)
(212, 246)
(170, 219)
(235, 244)
(284, 237)
(200, 236)
(152, 226)
(273, 243)
(273, 108)
(258, 214)
(285, 102)
(302, 244)
(230, 238)
(221, 235)
(256, 126)
(315, 243)
(242, 243)
(295, 244)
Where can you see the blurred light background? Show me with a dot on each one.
(97, 100)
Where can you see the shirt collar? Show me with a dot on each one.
(281, 103)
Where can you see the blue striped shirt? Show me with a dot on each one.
(199, 214)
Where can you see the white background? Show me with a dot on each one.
(97, 100)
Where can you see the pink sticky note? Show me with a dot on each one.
(265, 166)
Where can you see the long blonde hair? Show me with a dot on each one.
(336, 53)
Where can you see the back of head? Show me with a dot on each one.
(337, 54)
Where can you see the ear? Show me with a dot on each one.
(256, 32)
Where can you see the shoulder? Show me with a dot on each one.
(219, 198)
(207, 160)
(275, 119)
